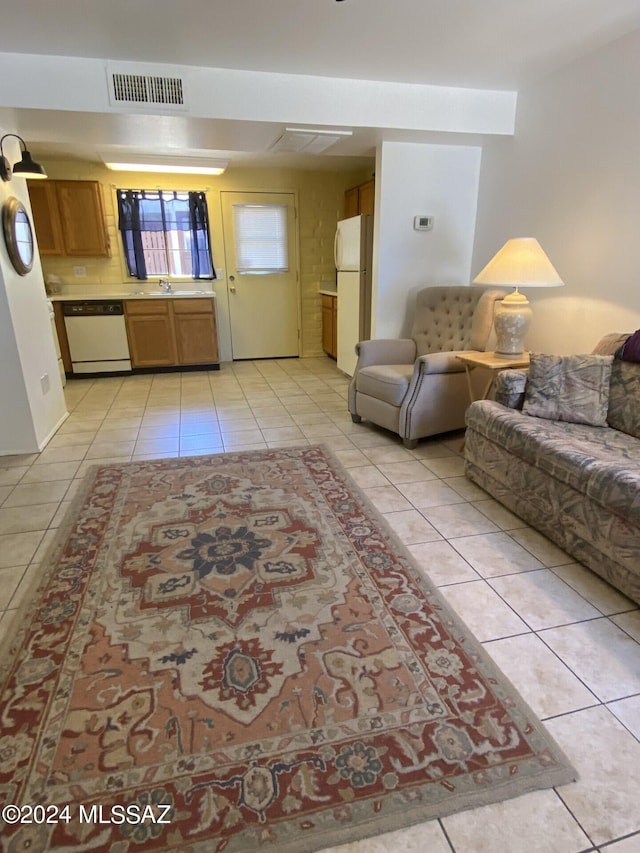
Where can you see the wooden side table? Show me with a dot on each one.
(491, 362)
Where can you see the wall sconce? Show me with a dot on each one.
(25, 168)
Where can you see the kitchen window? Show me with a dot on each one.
(165, 233)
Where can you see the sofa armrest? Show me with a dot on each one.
(441, 362)
(610, 343)
(386, 351)
(509, 388)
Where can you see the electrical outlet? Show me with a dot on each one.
(80, 272)
(45, 383)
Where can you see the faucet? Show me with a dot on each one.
(165, 285)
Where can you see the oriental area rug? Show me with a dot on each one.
(234, 652)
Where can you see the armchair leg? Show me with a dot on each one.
(356, 418)
(410, 443)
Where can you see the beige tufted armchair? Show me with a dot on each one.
(416, 386)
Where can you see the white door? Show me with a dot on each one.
(262, 273)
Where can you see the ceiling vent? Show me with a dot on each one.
(308, 140)
(145, 91)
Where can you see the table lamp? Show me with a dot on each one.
(521, 262)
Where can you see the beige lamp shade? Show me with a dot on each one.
(521, 262)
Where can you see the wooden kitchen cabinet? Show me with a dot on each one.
(171, 332)
(150, 332)
(360, 199)
(330, 325)
(351, 203)
(367, 197)
(44, 207)
(194, 322)
(68, 217)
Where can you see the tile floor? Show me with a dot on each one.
(568, 641)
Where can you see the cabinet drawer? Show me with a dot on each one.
(192, 306)
(146, 306)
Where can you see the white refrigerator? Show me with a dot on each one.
(353, 255)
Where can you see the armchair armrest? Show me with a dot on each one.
(440, 362)
(509, 388)
(386, 351)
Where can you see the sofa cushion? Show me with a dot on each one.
(630, 349)
(573, 388)
(386, 382)
(624, 398)
(603, 463)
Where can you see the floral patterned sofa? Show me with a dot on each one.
(577, 483)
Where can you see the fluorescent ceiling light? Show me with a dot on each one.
(168, 165)
(308, 139)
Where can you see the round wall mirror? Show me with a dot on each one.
(18, 235)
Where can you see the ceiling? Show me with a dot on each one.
(496, 44)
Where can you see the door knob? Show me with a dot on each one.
(232, 289)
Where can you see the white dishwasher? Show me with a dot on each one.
(97, 336)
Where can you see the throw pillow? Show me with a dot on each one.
(572, 388)
(630, 349)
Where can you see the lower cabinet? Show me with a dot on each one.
(194, 324)
(171, 332)
(330, 325)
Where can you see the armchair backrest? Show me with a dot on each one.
(454, 318)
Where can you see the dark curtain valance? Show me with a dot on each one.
(160, 210)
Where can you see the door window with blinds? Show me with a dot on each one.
(261, 239)
(165, 233)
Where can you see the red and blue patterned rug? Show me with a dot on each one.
(234, 651)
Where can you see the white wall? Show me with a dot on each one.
(80, 84)
(571, 178)
(412, 179)
(28, 416)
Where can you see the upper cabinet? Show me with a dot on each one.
(45, 219)
(360, 199)
(68, 217)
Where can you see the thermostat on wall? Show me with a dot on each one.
(423, 223)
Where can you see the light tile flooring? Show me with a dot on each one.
(568, 641)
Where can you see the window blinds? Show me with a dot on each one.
(261, 238)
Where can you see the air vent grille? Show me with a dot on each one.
(138, 86)
(143, 89)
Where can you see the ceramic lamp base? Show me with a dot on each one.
(512, 321)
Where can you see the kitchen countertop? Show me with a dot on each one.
(327, 292)
(93, 296)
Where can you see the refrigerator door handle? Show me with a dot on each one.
(337, 248)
